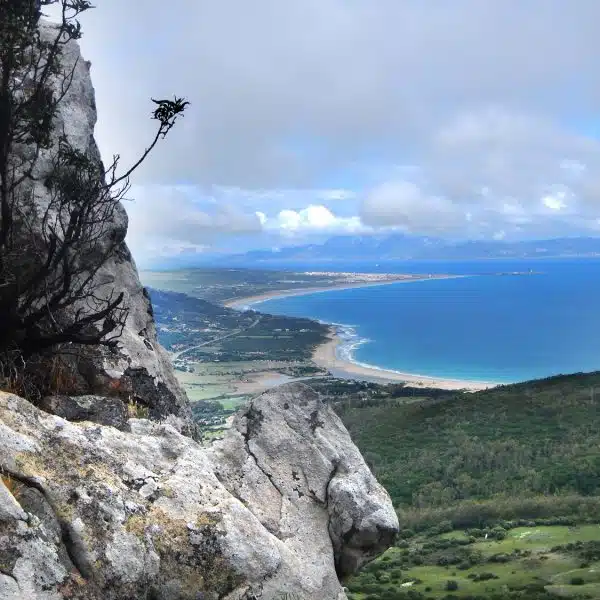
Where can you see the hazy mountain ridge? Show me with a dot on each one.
(404, 247)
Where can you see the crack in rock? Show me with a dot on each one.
(254, 419)
(66, 530)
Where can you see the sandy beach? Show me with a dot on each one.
(249, 300)
(326, 356)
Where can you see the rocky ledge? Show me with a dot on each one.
(284, 504)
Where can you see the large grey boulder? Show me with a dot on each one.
(289, 456)
(283, 504)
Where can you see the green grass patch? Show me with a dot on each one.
(590, 590)
(539, 539)
(209, 392)
(589, 574)
(525, 564)
(233, 402)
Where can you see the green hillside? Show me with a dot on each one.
(510, 442)
(496, 491)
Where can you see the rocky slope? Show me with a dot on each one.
(283, 504)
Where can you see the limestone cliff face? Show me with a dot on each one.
(141, 369)
(283, 504)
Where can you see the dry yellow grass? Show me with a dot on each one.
(14, 486)
(135, 410)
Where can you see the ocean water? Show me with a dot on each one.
(484, 327)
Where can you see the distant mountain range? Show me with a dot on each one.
(404, 247)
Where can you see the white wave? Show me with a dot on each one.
(350, 341)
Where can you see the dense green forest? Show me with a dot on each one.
(497, 492)
(519, 441)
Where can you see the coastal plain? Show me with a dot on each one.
(243, 289)
(226, 351)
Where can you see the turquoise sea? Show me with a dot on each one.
(486, 327)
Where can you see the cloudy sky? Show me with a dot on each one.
(311, 118)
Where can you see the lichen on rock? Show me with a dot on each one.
(274, 507)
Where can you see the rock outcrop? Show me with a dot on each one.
(140, 371)
(283, 504)
(96, 409)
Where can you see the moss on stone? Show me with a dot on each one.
(189, 553)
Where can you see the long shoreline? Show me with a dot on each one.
(238, 303)
(327, 356)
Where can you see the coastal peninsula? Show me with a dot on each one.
(326, 281)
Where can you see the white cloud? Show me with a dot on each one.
(461, 119)
(495, 170)
(405, 204)
(314, 219)
(169, 220)
(555, 202)
(261, 217)
(284, 92)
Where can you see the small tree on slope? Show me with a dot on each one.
(52, 247)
